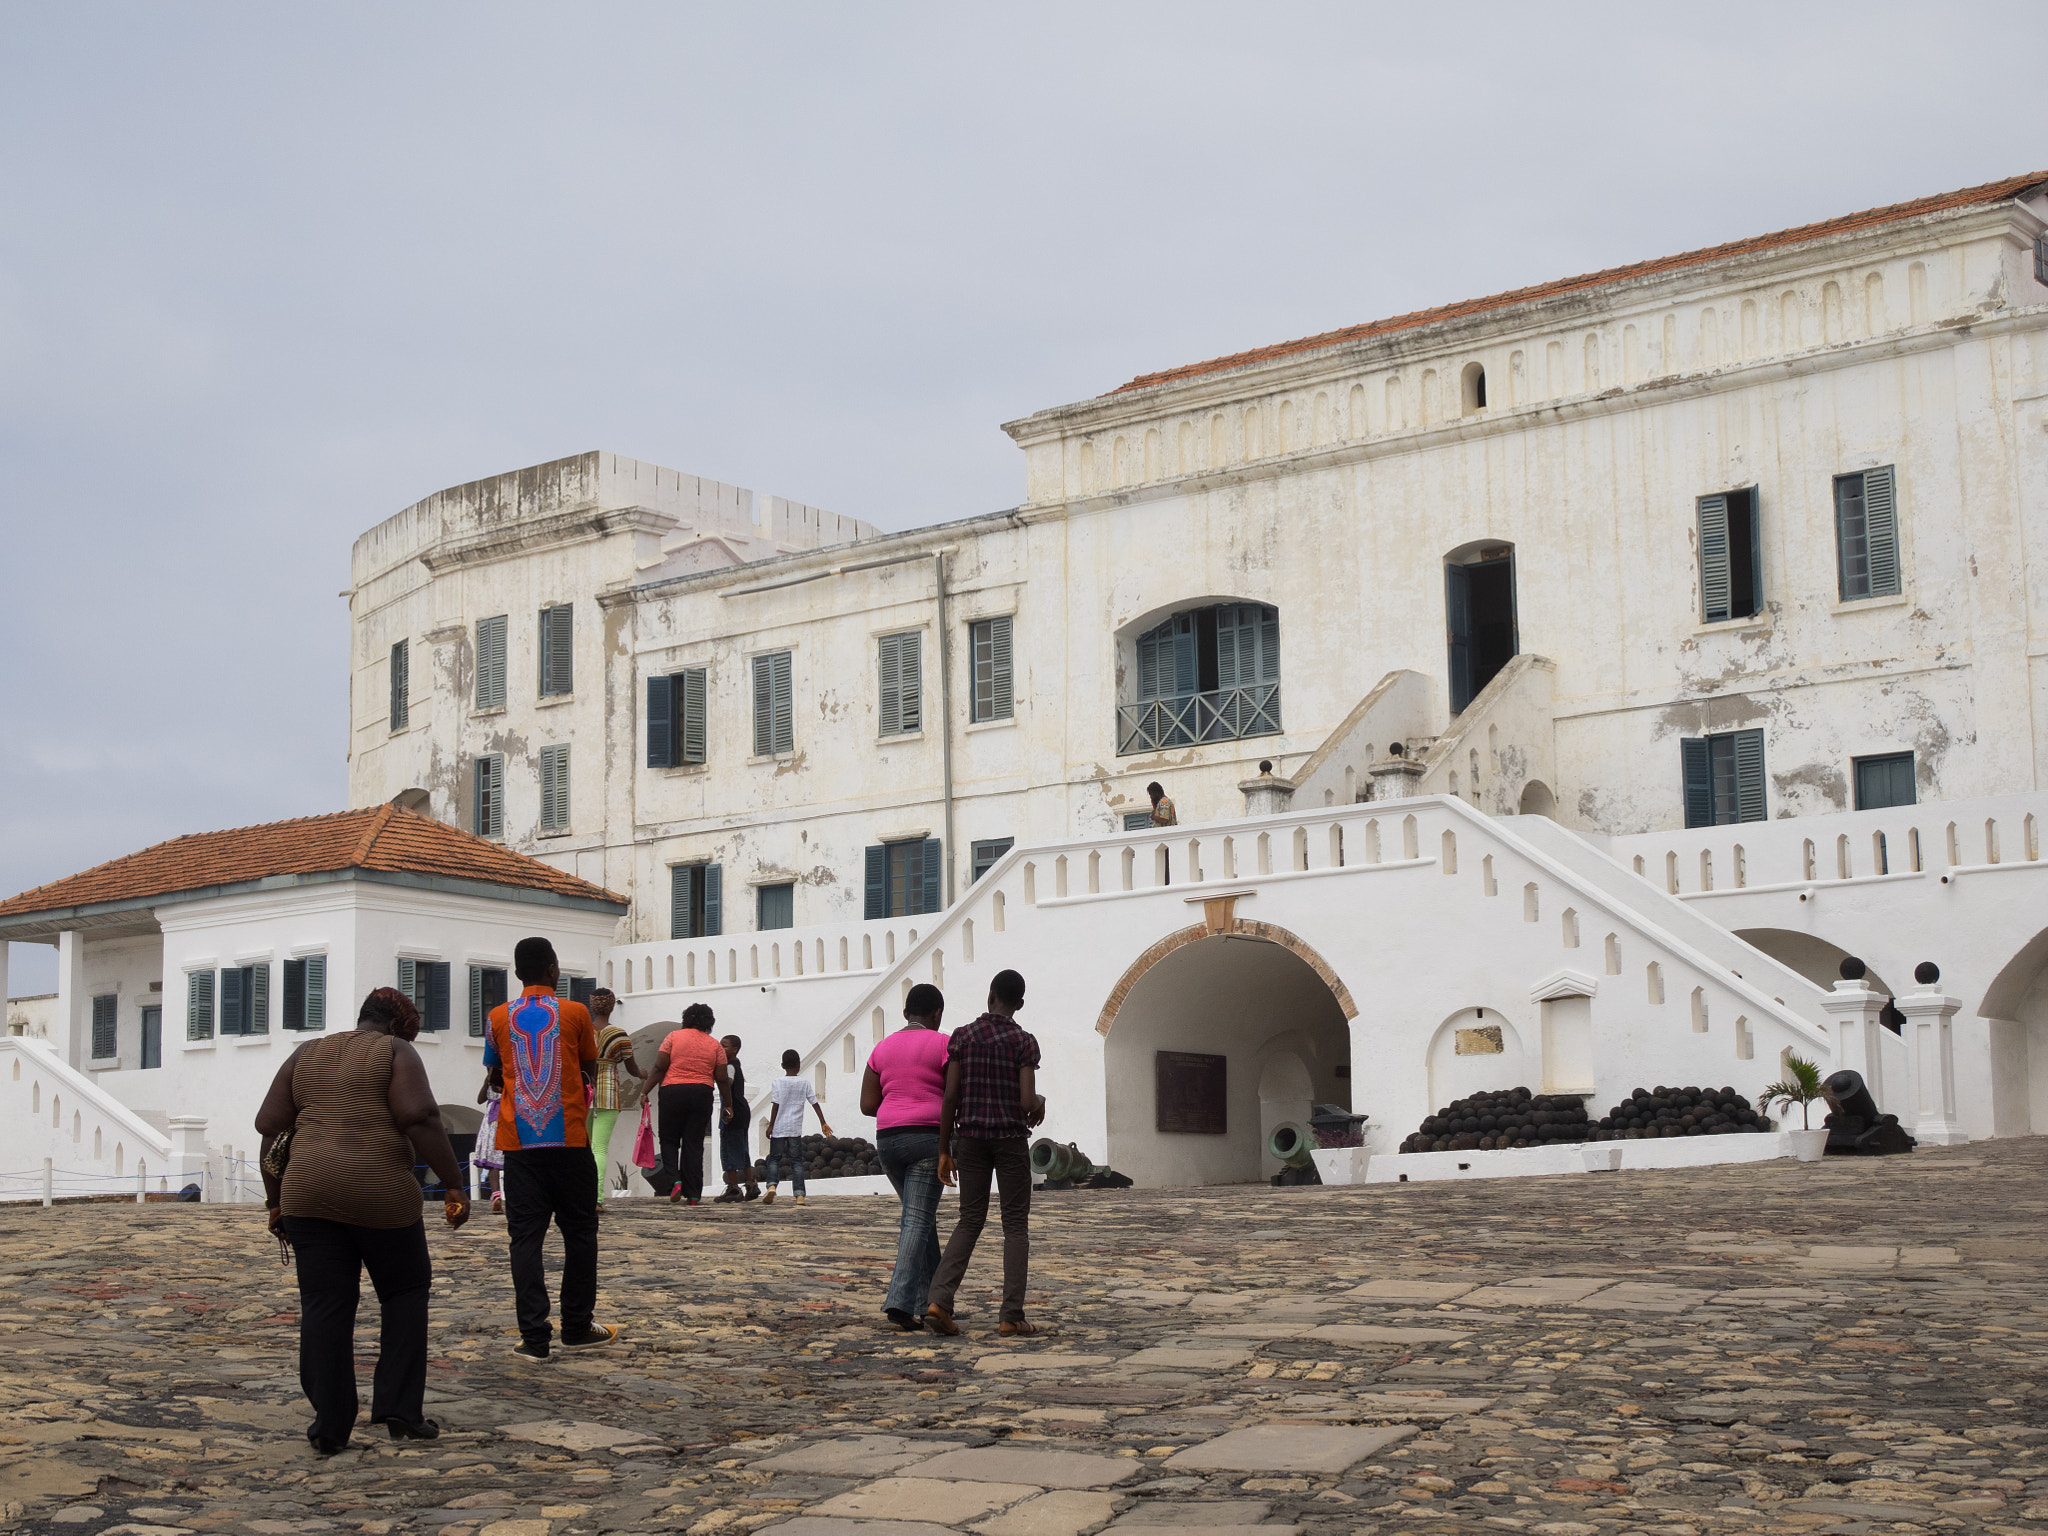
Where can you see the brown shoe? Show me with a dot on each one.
(939, 1320)
(1021, 1330)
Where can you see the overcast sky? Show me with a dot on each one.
(270, 273)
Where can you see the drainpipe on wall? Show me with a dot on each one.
(945, 721)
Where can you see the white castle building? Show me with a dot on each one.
(1629, 651)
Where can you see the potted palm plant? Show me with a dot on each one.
(1801, 1086)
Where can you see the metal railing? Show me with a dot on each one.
(1227, 714)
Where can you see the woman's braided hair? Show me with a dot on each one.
(388, 1005)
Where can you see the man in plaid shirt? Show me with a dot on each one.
(991, 1105)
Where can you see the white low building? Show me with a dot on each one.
(188, 971)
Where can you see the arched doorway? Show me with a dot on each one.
(1480, 624)
(1537, 800)
(2016, 1006)
(1813, 957)
(1220, 1038)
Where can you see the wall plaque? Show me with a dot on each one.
(1193, 1093)
(1483, 1041)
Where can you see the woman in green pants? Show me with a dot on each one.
(607, 1093)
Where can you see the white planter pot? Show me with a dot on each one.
(1807, 1146)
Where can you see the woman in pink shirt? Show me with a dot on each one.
(903, 1089)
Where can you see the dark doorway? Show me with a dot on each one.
(152, 1036)
(1479, 610)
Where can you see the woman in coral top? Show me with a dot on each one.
(903, 1089)
(690, 1065)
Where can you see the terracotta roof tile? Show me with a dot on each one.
(383, 838)
(1969, 197)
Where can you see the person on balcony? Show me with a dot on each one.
(1163, 813)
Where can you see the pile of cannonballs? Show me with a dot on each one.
(1508, 1117)
(830, 1157)
(1655, 1112)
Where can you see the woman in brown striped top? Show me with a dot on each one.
(361, 1113)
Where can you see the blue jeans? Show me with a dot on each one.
(911, 1159)
(789, 1150)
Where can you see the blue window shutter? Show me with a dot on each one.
(876, 903)
(1148, 664)
(1714, 570)
(1881, 529)
(316, 991)
(231, 1001)
(293, 1014)
(690, 704)
(435, 1014)
(934, 862)
(476, 1002)
(409, 981)
(259, 999)
(1269, 645)
(1749, 775)
(713, 892)
(1002, 669)
(680, 878)
(1236, 636)
(1186, 674)
(661, 692)
(490, 662)
(1696, 757)
(1458, 634)
(106, 1013)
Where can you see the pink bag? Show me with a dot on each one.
(644, 1153)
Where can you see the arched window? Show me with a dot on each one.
(1472, 384)
(1205, 674)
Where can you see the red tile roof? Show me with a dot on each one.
(383, 838)
(1969, 197)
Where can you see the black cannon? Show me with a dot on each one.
(1856, 1126)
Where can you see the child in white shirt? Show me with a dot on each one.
(787, 1096)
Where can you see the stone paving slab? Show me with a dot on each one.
(924, 1498)
(1017, 1464)
(1614, 1371)
(1184, 1358)
(1292, 1447)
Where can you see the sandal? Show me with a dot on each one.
(939, 1320)
(1020, 1330)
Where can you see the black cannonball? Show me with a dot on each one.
(1927, 973)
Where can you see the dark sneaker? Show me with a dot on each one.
(599, 1336)
(526, 1351)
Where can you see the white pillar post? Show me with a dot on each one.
(71, 1001)
(1931, 1066)
(3, 984)
(49, 1182)
(141, 1181)
(1854, 1007)
(188, 1151)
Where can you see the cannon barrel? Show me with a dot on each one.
(1846, 1091)
(1057, 1163)
(1291, 1144)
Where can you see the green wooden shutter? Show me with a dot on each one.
(557, 650)
(1236, 640)
(1002, 670)
(259, 999)
(680, 877)
(1458, 633)
(910, 661)
(1269, 645)
(1186, 670)
(773, 706)
(1714, 576)
(890, 659)
(476, 1002)
(554, 788)
(1756, 549)
(714, 883)
(199, 1005)
(934, 867)
(1881, 529)
(437, 976)
(316, 991)
(1149, 646)
(876, 900)
(490, 662)
(106, 1015)
(1749, 775)
(409, 981)
(293, 1014)
(785, 705)
(401, 684)
(1696, 759)
(661, 692)
(691, 706)
(231, 1004)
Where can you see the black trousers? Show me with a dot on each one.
(685, 1119)
(1008, 1163)
(331, 1257)
(558, 1184)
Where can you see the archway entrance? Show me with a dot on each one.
(1222, 1038)
(2016, 1006)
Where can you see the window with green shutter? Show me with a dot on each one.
(994, 669)
(487, 810)
(401, 684)
(199, 1005)
(557, 650)
(489, 985)
(1723, 777)
(696, 901)
(305, 994)
(774, 706)
(775, 906)
(675, 719)
(106, 1015)
(1884, 781)
(1867, 534)
(554, 788)
(904, 879)
(1731, 556)
(988, 852)
(901, 659)
(426, 983)
(490, 662)
(245, 999)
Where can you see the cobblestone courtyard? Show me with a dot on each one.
(1849, 1346)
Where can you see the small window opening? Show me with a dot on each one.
(1474, 385)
